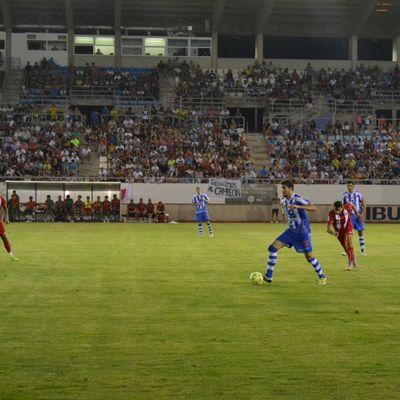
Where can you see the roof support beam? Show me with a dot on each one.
(265, 7)
(117, 37)
(69, 16)
(217, 13)
(6, 11)
(363, 13)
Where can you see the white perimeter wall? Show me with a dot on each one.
(318, 194)
(172, 193)
(327, 194)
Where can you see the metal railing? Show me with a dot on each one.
(44, 100)
(199, 103)
(106, 92)
(391, 97)
(259, 181)
(14, 63)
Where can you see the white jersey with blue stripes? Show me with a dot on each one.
(297, 218)
(355, 198)
(200, 201)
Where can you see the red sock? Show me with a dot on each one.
(6, 243)
(350, 254)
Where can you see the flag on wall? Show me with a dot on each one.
(126, 192)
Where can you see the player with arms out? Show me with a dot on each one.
(339, 225)
(298, 234)
(200, 201)
(356, 198)
(4, 219)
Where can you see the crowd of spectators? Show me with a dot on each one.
(258, 79)
(174, 146)
(337, 152)
(359, 84)
(267, 80)
(48, 78)
(65, 209)
(37, 142)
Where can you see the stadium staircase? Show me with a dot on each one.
(258, 150)
(167, 91)
(90, 168)
(13, 82)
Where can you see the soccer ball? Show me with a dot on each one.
(256, 278)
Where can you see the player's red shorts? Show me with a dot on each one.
(342, 237)
(2, 228)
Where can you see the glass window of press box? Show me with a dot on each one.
(48, 45)
(132, 46)
(100, 45)
(163, 46)
(154, 46)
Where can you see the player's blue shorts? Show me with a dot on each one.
(358, 225)
(300, 240)
(202, 216)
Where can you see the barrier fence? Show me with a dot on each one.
(253, 205)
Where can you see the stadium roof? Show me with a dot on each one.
(323, 18)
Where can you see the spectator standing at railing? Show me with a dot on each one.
(102, 174)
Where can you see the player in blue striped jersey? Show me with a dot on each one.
(200, 201)
(298, 235)
(356, 198)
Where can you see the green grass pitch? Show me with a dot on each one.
(154, 312)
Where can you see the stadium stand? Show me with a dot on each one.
(124, 84)
(336, 153)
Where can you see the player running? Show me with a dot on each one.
(4, 217)
(298, 234)
(200, 201)
(339, 225)
(356, 198)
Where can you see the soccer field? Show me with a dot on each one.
(103, 311)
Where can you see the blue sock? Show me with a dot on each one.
(272, 259)
(317, 267)
(210, 230)
(200, 226)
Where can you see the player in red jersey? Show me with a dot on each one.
(339, 225)
(160, 212)
(115, 208)
(131, 211)
(150, 211)
(97, 206)
(140, 210)
(3, 220)
(106, 210)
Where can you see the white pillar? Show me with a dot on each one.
(71, 45)
(396, 50)
(214, 50)
(117, 49)
(260, 47)
(353, 50)
(8, 54)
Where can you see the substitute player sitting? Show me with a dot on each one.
(339, 224)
